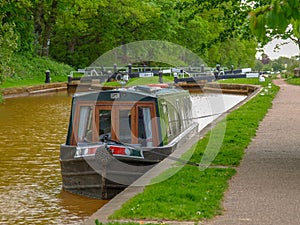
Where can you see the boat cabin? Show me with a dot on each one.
(115, 136)
(142, 115)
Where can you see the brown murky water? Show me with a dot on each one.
(31, 130)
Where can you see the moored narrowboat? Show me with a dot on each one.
(115, 136)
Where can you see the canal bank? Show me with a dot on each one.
(234, 89)
(103, 215)
(32, 90)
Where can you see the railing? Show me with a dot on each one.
(117, 73)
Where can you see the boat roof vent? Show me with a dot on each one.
(147, 89)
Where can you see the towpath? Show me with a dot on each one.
(266, 188)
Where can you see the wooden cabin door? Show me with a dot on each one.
(127, 123)
(115, 122)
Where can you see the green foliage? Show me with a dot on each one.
(273, 20)
(17, 12)
(7, 45)
(280, 64)
(240, 53)
(31, 71)
(258, 66)
(293, 80)
(121, 223)
(78, 32)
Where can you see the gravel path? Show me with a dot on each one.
(266, 189)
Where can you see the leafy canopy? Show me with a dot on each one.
(277, 19)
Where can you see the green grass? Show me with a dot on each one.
(31, 71)
(192, 194)
(293, 80)
(253, 81)
(117, 223)
(149, 80)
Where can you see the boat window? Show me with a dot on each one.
(104, 122)
(178, 118)
(127, 123)
(85, 124)
(184, 113)
(189, 109)
(145, 127)
(166, 114)
(125, 126)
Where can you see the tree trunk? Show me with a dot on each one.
(48, 27)
(44, 18)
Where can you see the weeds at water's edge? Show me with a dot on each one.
(196, 195)
(119, 223)
(1, 98)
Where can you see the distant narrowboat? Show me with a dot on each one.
(115, 136)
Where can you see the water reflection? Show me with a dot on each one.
(31, 130)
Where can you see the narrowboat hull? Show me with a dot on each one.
(90, 176)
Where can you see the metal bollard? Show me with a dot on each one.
(129, 69)
(47, 76)
(115, 68)
(69, 79)
(160, 75)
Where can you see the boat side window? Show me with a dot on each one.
(85, 132)
(145, 127)
(187, 106)
(178, 117)
(169, 121)
(125, 126)
(183, 113)
(104, 122)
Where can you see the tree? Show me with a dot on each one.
(265, 59)
(45, 15)
(239, 53)
(82, 30)
(87, 29)
(18, 16)
(8, 43)
(225, 31)
(277, 19)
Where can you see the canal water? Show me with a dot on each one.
(31, 131)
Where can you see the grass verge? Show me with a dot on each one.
(293, 80)
(188, 195)
(31, 71)
(149, 80)
(192, 194)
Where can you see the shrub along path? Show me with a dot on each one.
(266, 189)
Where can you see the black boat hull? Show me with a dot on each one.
(89, 176)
